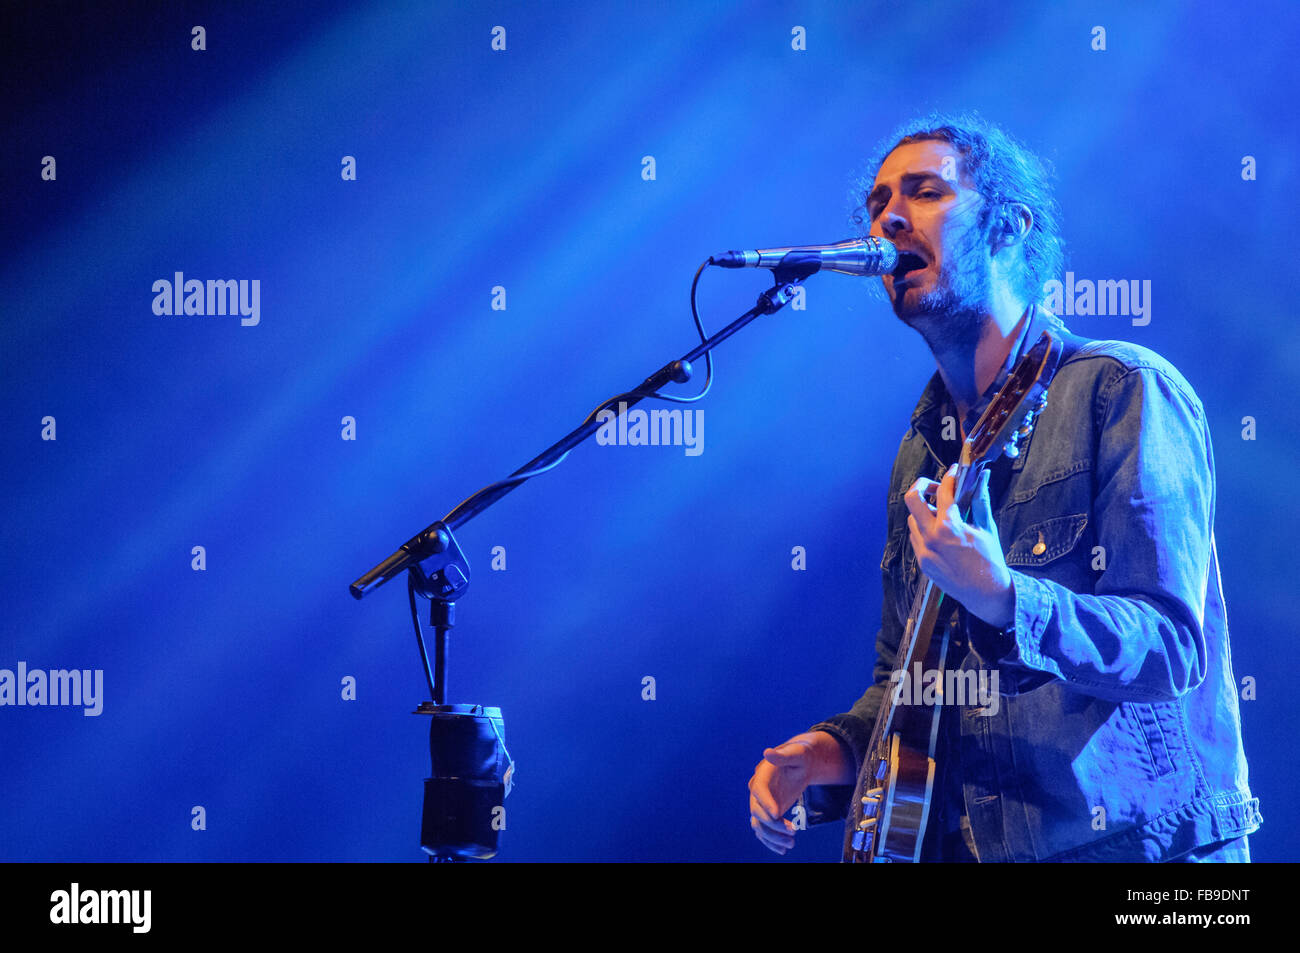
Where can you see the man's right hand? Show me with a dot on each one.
(814, 757)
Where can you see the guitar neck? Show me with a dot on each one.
(922, 616)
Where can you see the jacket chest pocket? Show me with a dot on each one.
(1060, 549)
(1046, 541)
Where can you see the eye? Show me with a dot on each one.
(928, 193)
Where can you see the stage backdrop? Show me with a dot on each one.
(452, 230)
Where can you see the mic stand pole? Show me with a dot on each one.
(462, 801)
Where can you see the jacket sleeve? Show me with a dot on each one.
(1139, 635)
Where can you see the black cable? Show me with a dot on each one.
(708, 357)
(419, 633)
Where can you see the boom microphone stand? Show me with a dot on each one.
(472, 772)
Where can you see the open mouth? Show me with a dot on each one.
(908, 262)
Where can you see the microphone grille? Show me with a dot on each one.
(887, 252)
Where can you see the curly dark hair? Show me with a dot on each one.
(1003, 170)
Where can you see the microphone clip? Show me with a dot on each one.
(787, 280)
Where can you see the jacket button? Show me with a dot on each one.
(1040, 547)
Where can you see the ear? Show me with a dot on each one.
(1013, 224)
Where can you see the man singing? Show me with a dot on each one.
(1084, 583)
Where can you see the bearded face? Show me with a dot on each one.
(923, 205)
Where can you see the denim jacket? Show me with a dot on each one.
(1117, 733)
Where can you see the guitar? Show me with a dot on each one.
(896, 785)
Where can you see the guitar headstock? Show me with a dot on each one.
(1010, 416)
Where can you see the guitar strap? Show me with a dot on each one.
(1001, 469)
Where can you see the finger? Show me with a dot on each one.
(919, 549)
(914, 534)
(924, 489)
(916, 505)
(775, 846)
(761, 792)
(777, 843)
(946, 493)
(981, 510)
(776, 825)
(789, 753)
(762, 804)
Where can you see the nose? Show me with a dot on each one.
(892, 222)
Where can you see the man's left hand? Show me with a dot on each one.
(964, 559)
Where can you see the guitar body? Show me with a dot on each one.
(909, 762)
(893, 806)
(895, 790)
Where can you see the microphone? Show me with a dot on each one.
(854, 256)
